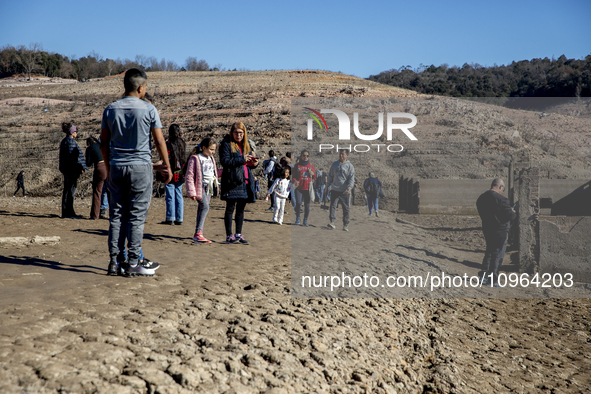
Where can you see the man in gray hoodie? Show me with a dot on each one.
(341, 178)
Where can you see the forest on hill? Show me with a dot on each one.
(33, 59)
(560, 77)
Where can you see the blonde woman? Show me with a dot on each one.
(237, 186)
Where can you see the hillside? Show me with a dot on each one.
(202, 103)
(457, 139)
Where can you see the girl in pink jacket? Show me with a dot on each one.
(201, 181)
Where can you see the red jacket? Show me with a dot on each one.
(298, 174)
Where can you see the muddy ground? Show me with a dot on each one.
(221, 318)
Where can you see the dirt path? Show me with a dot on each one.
(220, 318)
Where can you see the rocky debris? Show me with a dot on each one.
(21, 241)
(31, 102)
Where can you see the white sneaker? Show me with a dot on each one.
(331, 225)
(148, 264)
(138, 270)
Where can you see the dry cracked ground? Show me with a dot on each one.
(220, 318)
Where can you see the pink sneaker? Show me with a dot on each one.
(199, 238)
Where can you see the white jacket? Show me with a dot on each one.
(281, 187)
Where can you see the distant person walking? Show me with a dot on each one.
(202, 182)
(269, 167)
(304, 175)
(320, 185)
(94, 157)
(174, 190)
(340, 182)
(71, 165)
(373, 191)
(496, 215)
(353, 191)
(125, 142)
(237, 179)
(20, 184)
(292, 192)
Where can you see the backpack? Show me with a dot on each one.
(265, 164)
(270, 176)
(277, 171)
(372, 188)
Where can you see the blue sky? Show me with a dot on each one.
(358, 38)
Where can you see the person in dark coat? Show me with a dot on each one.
(496, 214)
(20, 184)
(237, 186)
(174, 190)
(71, 164)
(373, 190)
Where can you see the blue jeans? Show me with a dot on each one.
(105, 198)
(302, 196)
(372, 203)
(320, 193)
(123, 255)
(131, 192)
(174, 202)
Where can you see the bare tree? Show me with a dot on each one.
(110, 65)
(29, 57)
(192, 64)
(154, 64)
(142, 60)
(66, 68)
(172, 66)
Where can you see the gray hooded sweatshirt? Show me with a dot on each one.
(341, 176)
